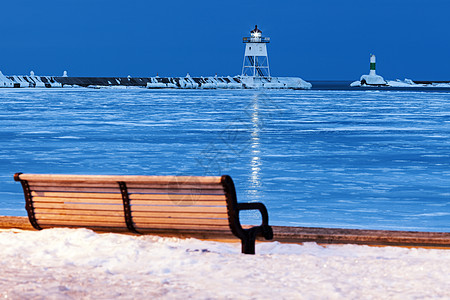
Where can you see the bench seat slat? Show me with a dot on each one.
(76, 189)
(77, 200)
(176, 191)
(77, 195)
(183, 203)
(177, 197)
(72, 184)
(145, 220)
(42, 211)
(165, 186)
(186, 209)
(78, 223)
(91, 207)
(183, 215)
(106, 219)
(96, 227)
(149, 226)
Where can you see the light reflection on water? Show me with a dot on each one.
(352, 159)
(255, 183)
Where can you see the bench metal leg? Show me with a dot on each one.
(248, 243)
(248, 246)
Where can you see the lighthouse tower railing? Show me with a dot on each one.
(256, 40)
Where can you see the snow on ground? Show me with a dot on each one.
(78, 263)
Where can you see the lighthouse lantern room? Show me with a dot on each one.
(256, 60)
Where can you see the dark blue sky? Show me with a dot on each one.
(316, 39)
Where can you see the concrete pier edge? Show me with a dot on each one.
(298, 235)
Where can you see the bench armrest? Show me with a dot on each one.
(258, 206)
(264, 228)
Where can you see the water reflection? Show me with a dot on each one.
(255, 152)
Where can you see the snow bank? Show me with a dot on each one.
(409, 83)
(375, 80)
(274, 82)
(4, 81)
(67, 263)
(404, 83)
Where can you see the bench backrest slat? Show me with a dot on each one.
(125, 178)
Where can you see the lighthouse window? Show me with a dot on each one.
(249, 48)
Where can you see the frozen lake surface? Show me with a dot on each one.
(353, 159)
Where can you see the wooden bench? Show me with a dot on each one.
(182, 205)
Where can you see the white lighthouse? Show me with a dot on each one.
(256, 60)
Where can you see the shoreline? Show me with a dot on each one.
(298, 235)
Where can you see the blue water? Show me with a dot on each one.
(352, 159)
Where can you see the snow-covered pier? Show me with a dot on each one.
(187, 82)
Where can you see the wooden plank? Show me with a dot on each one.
(171, 191)
(80, 218)
(143, 226)
(77, 195)
(178, 197)
(185, 209)
(186, 202)
(212, 222)
(91, 207)
(97, 228)
(73, 184)
(195, 186)
(175, 215)
(125, 178)
(118, 213)
(75, 189)
(76, 223)
(77, 200)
